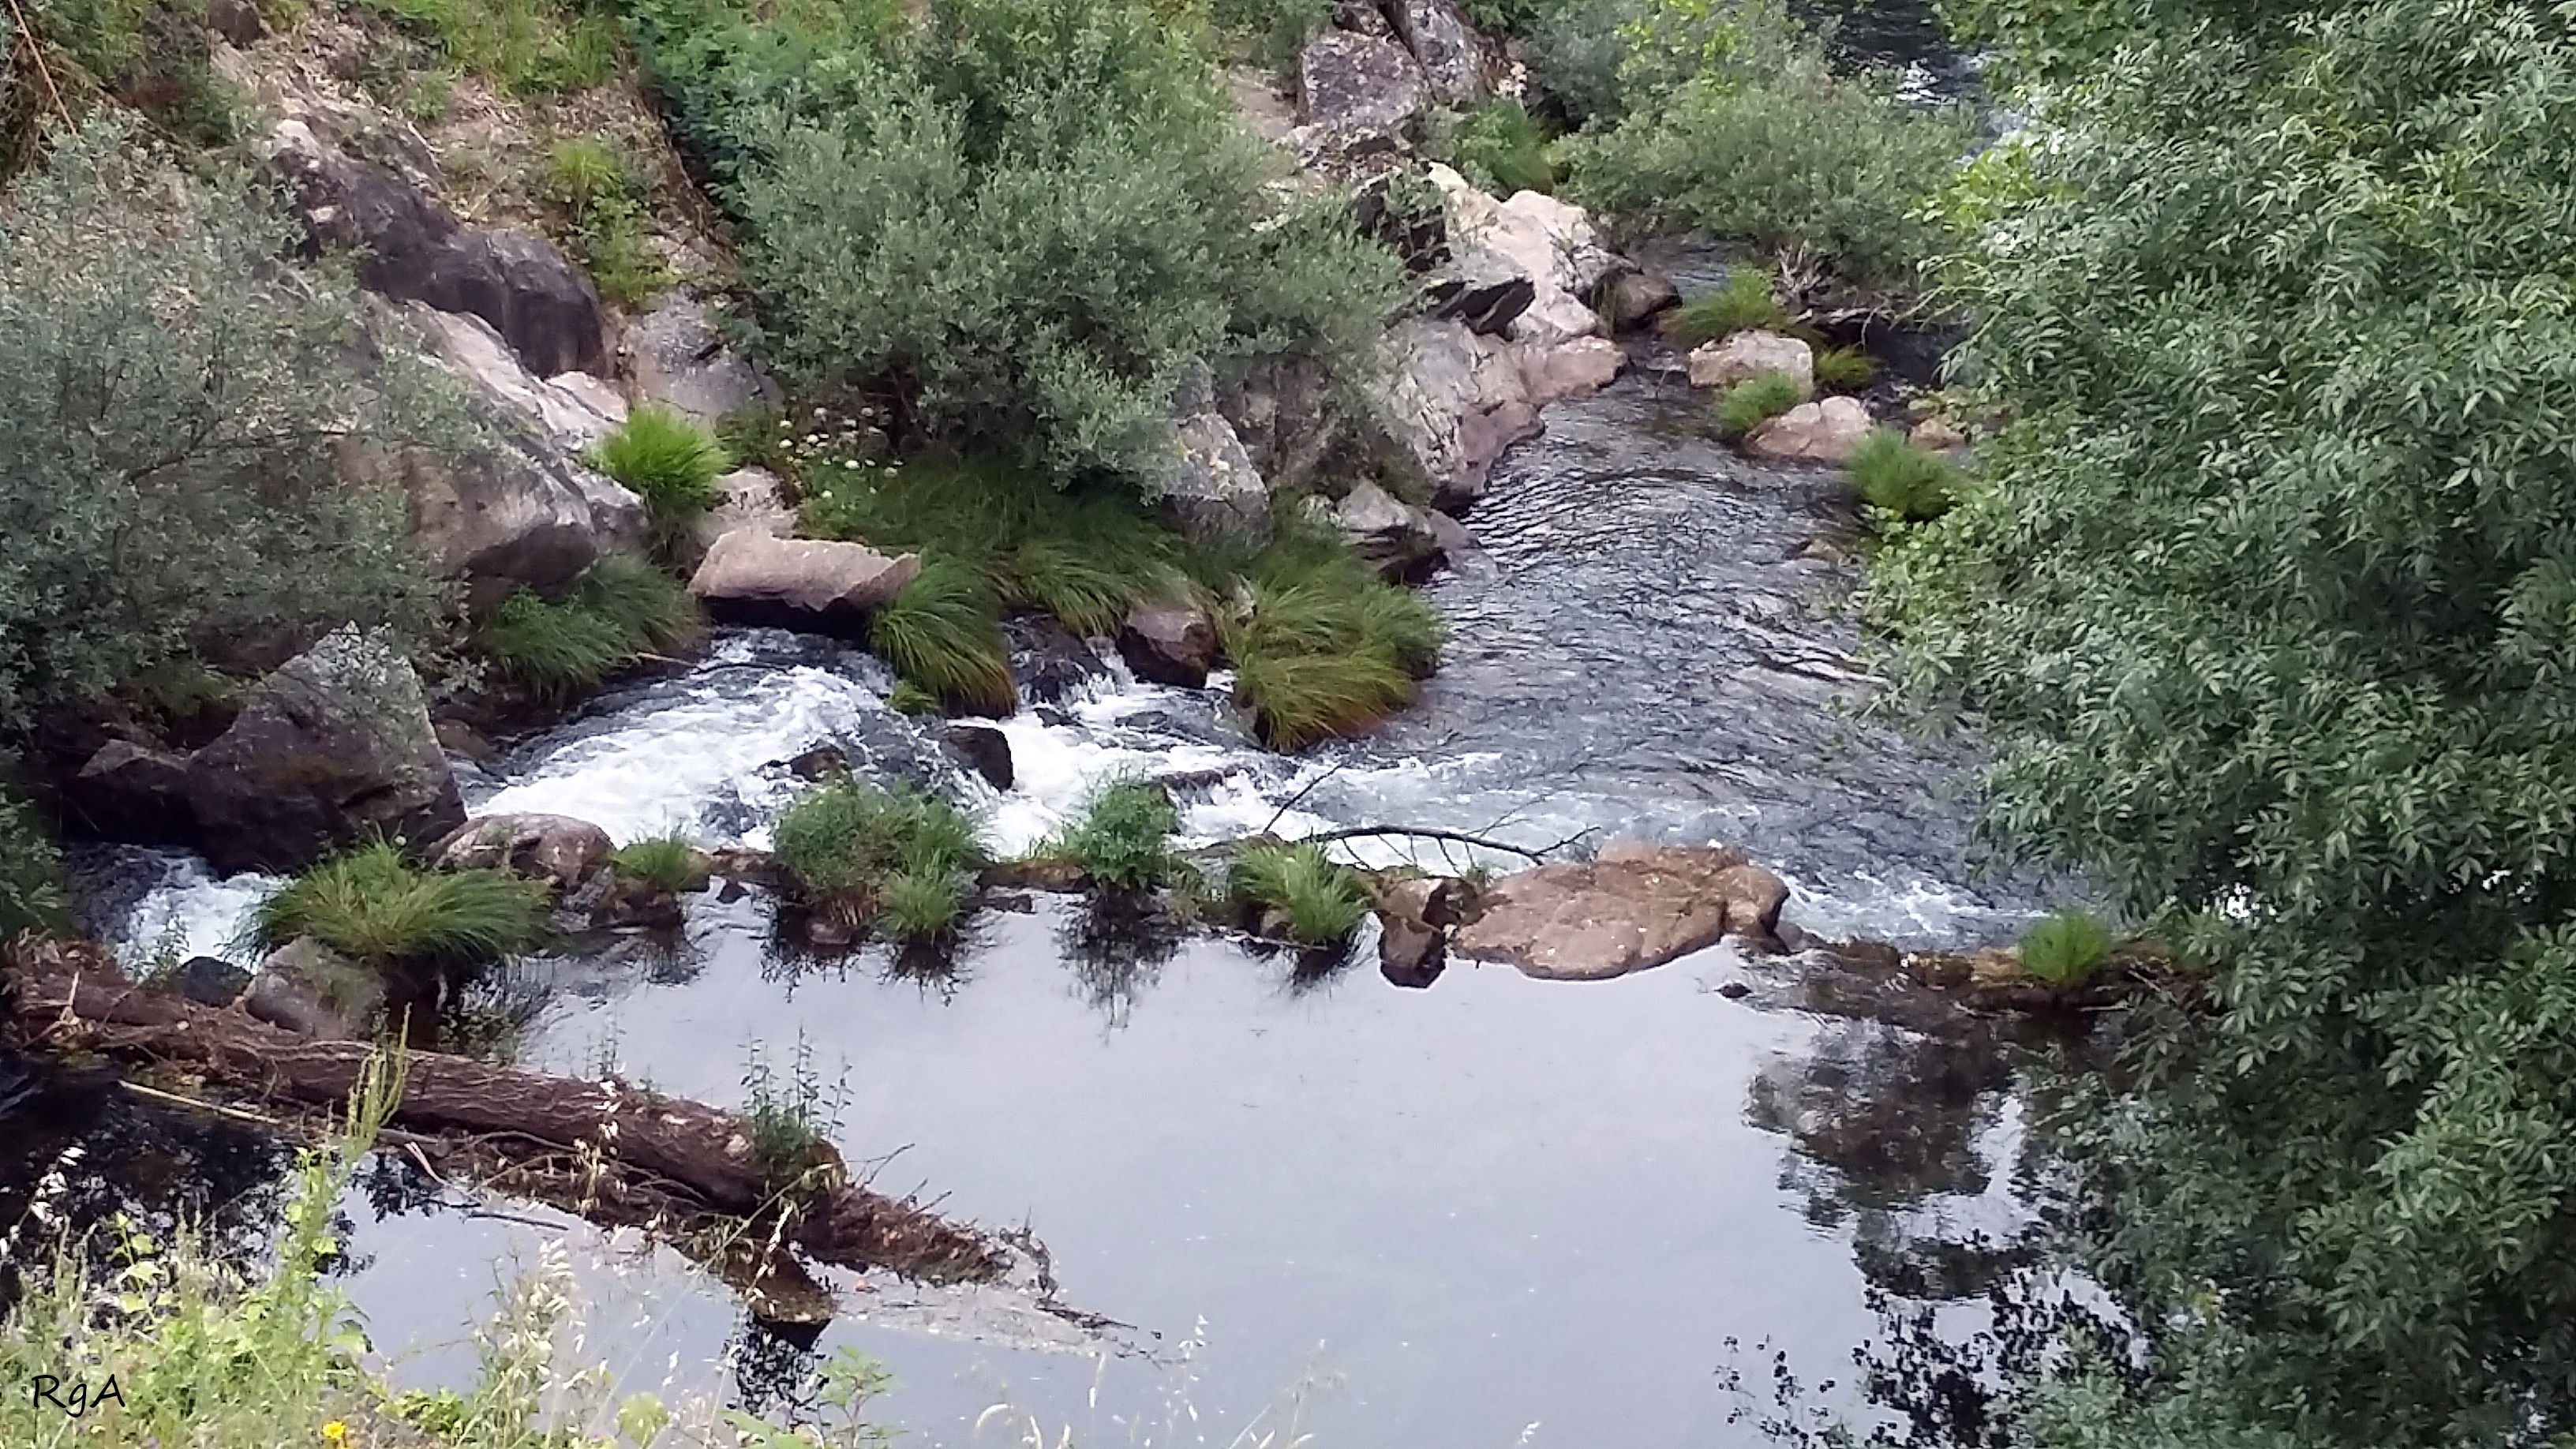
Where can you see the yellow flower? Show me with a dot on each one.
(335, 1432)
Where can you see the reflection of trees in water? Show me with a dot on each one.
(1117, 950)
(1882, 1120)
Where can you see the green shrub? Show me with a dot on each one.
(670, 462)
(595, 186)
(1322, 901)
(1123, 838)
(1741, 305)
(843, 840)
(1271, 32)
(1029, 218)
(909, 698)
(172, 407)
(1845, 369)
(943, 634)
(529, 48)
(583, 172)
(31, 874)
(1755, 401)
(377, 909)
(1902, 479)
(662, 863)
(1502, 149)
(2066, 948)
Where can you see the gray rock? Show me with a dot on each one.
(985, 750)
(334, 748)
(306, 987)
(1170, 642)
(237, 21)
(129, 792)
(1632, 297)
(209, 981)
(679, 357)
(1394, 536)
(1048, 661)
(1357, 91)
(1552, 372)
(414, 249)
(1743, 355)
(557, 849)
(1828, 431)
(1209, 482)
(752, 498)
(1446, 46)
(751, 577)
(1455, 401)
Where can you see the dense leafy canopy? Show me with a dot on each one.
(2269, 595)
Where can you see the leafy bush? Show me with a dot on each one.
(1845, 369)
(1743, 304)
(1735, 126)
(171, 408)
(31, 874)
(1272, 31)
(150, 55)
(1902, 479)
(1029, 218)
(670, 462)
(844, 840)
(378, 909)
(2066, 948)
(618, 611)
(1502, 149)
(662, 863)
(1756, 400)
(943, 635)
(1322, 901)
(1123, 838)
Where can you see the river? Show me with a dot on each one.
(1497, 1211)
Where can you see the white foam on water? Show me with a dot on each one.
(191, 912)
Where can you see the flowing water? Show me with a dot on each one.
(1495, 1211)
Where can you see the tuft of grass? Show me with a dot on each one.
(791, 1117)
(1503, 149)
(2066, 948)
(529, 48)
(843, 841)
(378, 909)
(1755, 401)
(1298, 699)
(909, 698)
(662, 862)
(1327, 647)
(650, 607)
(584, 172)
(943, 634)
(1123, 838)
(618, 611)
(1744, 304)
(1904, 480)
(1322, 901)
(1845, 369)
(670, 462)
(921, 905)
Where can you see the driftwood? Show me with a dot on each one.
(604, 1149)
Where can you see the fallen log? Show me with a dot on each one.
(604, 1149)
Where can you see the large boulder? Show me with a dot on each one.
(1635, 906)
(411, 248)
(1169, 641)
(1394, 536)
(1207, 480)
(1445, 45)
(1455, 400)
(333, 748)
(985, 750)
(1576, 368)
(1744, 355)
(557, 849)
(133, 793)
(1358, 92)
(679, 358)
(1828, 431)
(522, 510)
(753, 577)
(1549, 242)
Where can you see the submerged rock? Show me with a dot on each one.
(986, 750)
(1169, 642)
(557, 849)
(334, 748)
(1636, 906)
(751, 577)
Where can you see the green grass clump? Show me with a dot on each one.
(378, 909)
(596, 189)
(1744, 304)
(846, 842)
(618, 611)
(1123, 838)
(1755, 401)
(1327, 647)
(529, 48)
(1298, 699)
(943, 634)
(670, 462)
(662, 862)
(1845, 369)
(921, 905)
(909, 698)
(1503, 149)
(1322, 901)
(1904, 480)
(2066, 948)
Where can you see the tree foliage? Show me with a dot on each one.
(2269, 592)
(170, 401)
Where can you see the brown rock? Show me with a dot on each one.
(1170, 642)
(1636, 906)
(1632, 297)
(1553, 372)
(1937, 435)
(557, 849)
(752, 577)
(1818, 432)
(986, 750)
(1038, 873)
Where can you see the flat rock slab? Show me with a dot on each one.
(1635, 906)
(752, 576)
